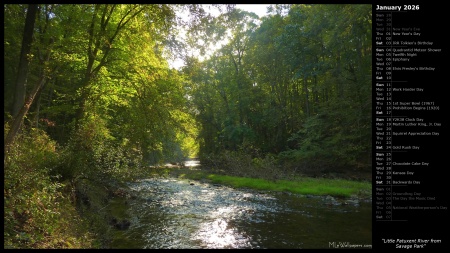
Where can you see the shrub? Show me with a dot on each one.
(37, 213)
(92, 153)
(242, 164)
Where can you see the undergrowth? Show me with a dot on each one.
(38, 210)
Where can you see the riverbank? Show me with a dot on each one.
(299, 185)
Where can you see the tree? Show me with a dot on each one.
(19, 95)
(289, 84)
(103, 66)
(21, 107)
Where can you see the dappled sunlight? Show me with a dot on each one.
(157, 87)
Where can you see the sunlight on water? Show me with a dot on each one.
(175, 214)
(192, 163)
(219, 234)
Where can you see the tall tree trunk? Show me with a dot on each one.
(17, 121)
(27, 39)
(15, 126)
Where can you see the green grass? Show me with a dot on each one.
(303, 185)
(307, 186)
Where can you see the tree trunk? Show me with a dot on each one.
(15, 126)
(19, 95)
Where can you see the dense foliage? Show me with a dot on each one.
(297, 85)
(93, 98)
(37, 207)
(89, 96)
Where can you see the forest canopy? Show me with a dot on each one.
(295, 83)
(89, 95)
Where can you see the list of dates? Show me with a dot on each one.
(409, 122)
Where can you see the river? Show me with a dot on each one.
(174, 213)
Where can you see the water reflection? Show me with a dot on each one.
(218, 234)
(192, 163)
(188, 163)
(171, 213)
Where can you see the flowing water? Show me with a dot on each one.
(174, 213)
